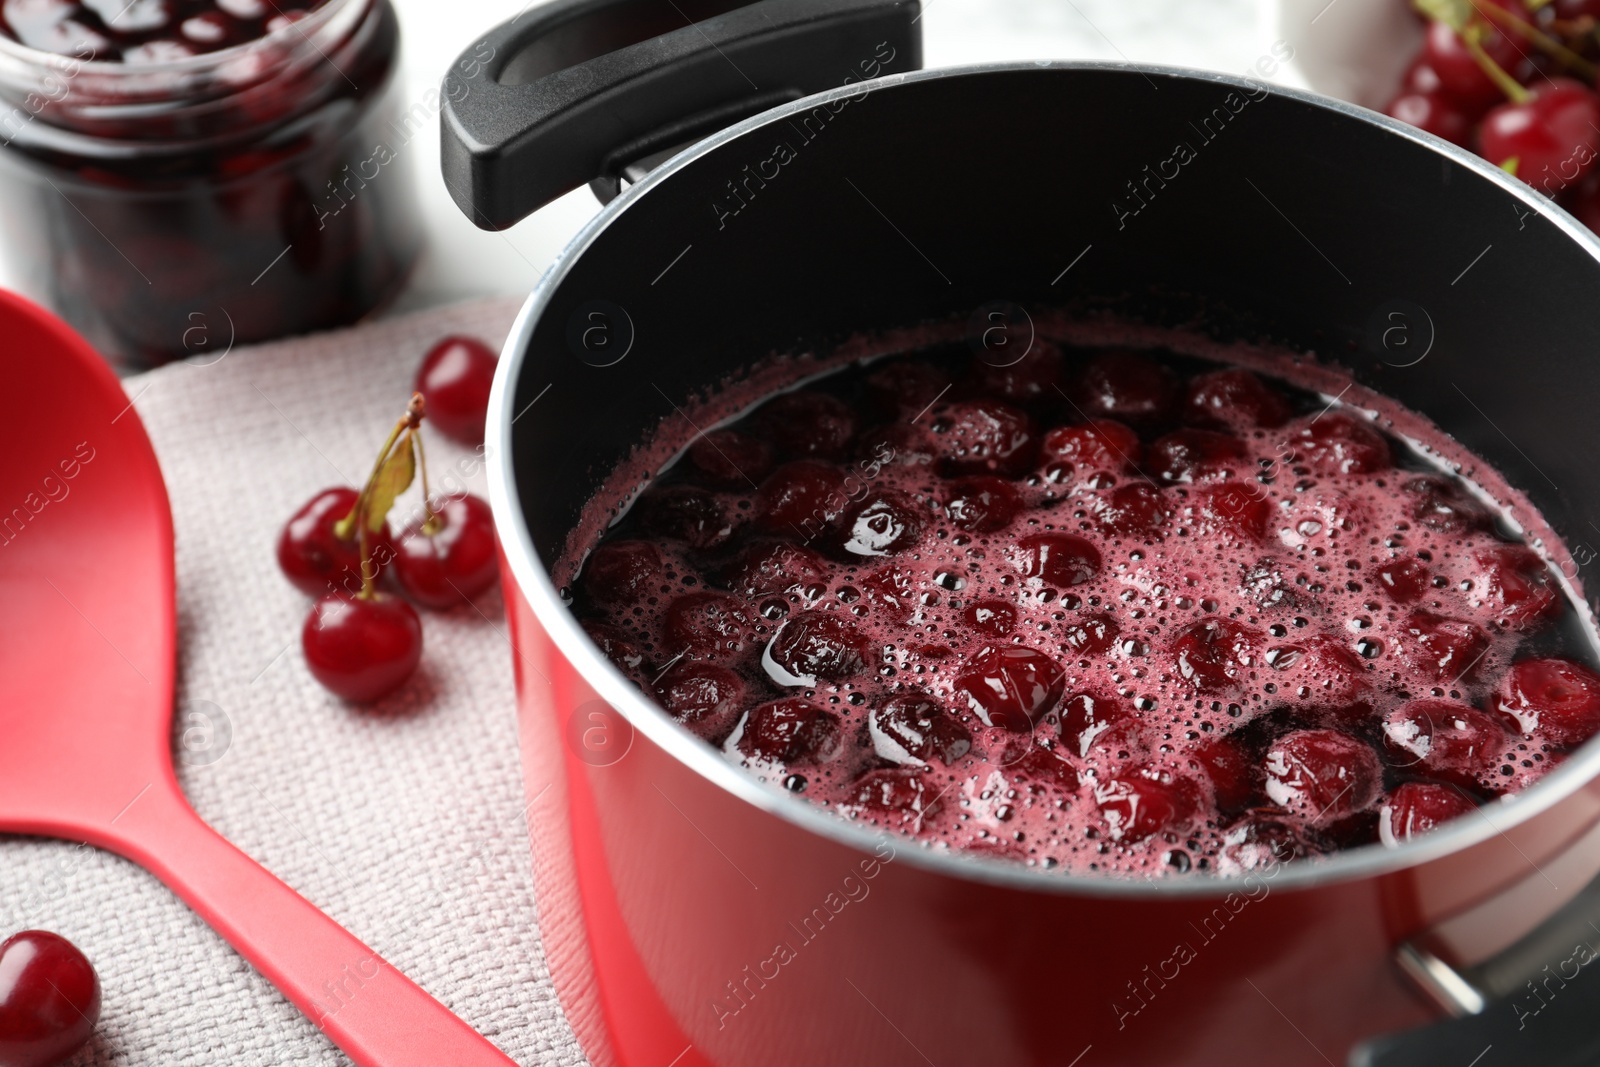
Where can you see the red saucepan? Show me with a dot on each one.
(693, 916)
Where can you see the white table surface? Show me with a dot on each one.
(463, 261)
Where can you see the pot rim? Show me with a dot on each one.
(1366, 861)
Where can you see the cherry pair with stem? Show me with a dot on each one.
(1547, 135)
(363, 643)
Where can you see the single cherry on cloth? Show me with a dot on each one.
(1555, 699)
(316, 559)
(362, 648)
(445, 561)
(1322, 775)
(49, 999)
(1550, 140)
(455, 376)
(1417, 807)
(1011, 687)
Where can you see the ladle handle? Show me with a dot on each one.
(375, 1014)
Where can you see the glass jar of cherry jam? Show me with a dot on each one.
(180, 176)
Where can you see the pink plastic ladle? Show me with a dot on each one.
(88, 652)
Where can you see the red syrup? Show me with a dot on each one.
(1142, 624)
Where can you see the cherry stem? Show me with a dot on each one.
(1507, 84)
(430, 521)
(1542, 40)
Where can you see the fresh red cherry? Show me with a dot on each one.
(1555, 699)
(1143, 801)
(455, 377)
(1137, 510)
(362, 648)
(1444, 739)
(985, 437)
(1437, 648)
(886, 521)
(316, 559)
(790, 731)
(1552, 137)
(1059, 560)
(817, 644)
(704, 697)
(1088, 635)
(709, 625)
(731, 459)
(1322, 775)
(912, 728)
(1213, 655)
(1339, 443)
(453, 563)
(762, 570)
(1433, 113)
(1439, 505)
(1417, 807)
(982, 504)
(992, 618)
(1127, 386)
(623, 573)
(1234, 399)
(801, 498)
(1404, 579)
(1103, 445)
(1239, 510)
(1517, 586)
(904, 389)
(49, 999)
(1010, 687)
(1454, 64)
(810, 425)
(1195, 455)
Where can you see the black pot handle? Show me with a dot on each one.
(581, 90)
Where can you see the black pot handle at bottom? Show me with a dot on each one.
(580, 90)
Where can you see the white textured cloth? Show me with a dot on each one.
(404, 823)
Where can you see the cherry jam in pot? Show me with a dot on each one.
(1132, 613)
(180, 176)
